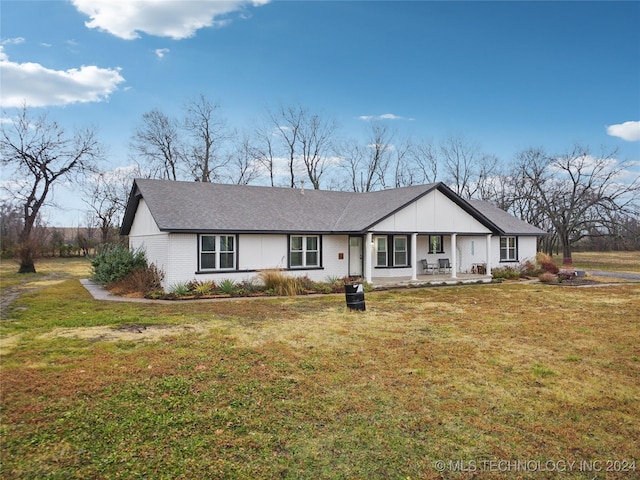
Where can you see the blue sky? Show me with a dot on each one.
(507, 75)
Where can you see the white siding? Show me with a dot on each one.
(527, 249)
(433, 213)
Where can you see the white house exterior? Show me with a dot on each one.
(205, 231)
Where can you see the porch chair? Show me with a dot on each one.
(444, 265)
(427, 267)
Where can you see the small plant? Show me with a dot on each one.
(180, 289)
(227, 286)
(505, 273)
(203, 288)
(250, 286)
(280, 284)
(547, 277)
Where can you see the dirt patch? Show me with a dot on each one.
(124, 332)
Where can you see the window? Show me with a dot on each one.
(399, 251)
(217, 252)
(227, 251)
(435, 244)
(381, 251)
(207, 252)
(304, 251)
(508, 249)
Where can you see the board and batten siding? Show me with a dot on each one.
(432, 213)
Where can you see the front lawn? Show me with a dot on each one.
(427, 383)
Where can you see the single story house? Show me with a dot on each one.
(209, 231)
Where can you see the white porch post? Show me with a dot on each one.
(414, 256)
(489, 254)
(454, 256)
(367, 257)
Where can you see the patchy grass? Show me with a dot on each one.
(614, 261)
(301, 387)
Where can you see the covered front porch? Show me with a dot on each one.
(429, 279)
(454, 258)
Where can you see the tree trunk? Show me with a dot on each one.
(26, 254)
(566, 249)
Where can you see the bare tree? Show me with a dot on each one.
(315, 138)
(287, 122)
(41, 155)
(106, 195)
(157, 141)
(458, 161)
(208, 131)
(244, 164)
(366, 163)
(425, 161)
(578, 193)
(264, 150)
(405, 172)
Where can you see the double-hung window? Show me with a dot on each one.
(435, 244)
(304, 251)
(217, 252)
(381, 251)
(391, 250)
(508, 249)
(400, 251)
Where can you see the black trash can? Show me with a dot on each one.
(354, 293)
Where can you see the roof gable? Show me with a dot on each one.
(209, 207)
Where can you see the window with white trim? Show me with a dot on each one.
(217, 252)
(508, 249)
(304, 251)
(400, 251)
(381, 251)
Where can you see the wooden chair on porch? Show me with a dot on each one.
(444, 265)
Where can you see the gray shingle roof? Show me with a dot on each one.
(507, 223)
(211, 207)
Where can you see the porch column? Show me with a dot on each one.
(367, 257)
(414, 256)
(454, 256)
(489, 254)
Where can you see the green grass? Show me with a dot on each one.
(304, 388)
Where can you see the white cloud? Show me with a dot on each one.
(161, 52)
(384, 116)
(12, 41)
(629, 131)
(160, 18)
(39, 86)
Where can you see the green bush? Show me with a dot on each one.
(115, 262)
(505, 273)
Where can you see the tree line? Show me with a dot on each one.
(579, 197)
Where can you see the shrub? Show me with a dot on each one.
(228, 286)
(180, 289)
(280, 284)
(530, 269)
(547, 277)
(202, 288)
(505, 273)
(549, 267)
(140, 280)
(115, 262)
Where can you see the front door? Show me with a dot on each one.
(355, 256)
